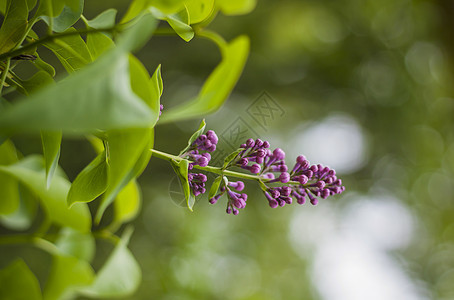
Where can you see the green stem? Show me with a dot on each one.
(29, 239)
(49, 38)
(213, 36)
(4, 74)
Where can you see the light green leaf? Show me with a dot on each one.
(139, 6)
(105, 102)
(127, 204)
(236, 7)
(75, 243)
(98, 43)
(119, 277)
(14, 25)
(178, 21)
(218, 86)
(71, 51)
(51, 142)
(42, 65)
(9, 192)
(106, 19)
(30, 171)
(231, 157)
(126, 149)
(17, 282)
(64, 13)
(181, 169)
(194, 136)
(215, 187)
(199, 10)
(68, 274)
(91, 182)
(22, 218)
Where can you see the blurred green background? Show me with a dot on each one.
(362, 86)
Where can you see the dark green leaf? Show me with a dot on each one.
(217, 87)
(51, 151)
(68, 274)
(17, 282)
(14, 25)
(38, 81)
(41, 64)
(231, 157)
(106, 19)
(9, 192)
(105, 102)
(194, 136)
(181, 169)
(91, 182)
(30, 171)
(119, 277)
(64, 13)
(21, 218)
(215, 187)
(75, 243)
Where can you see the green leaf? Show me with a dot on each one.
(14, 25)
(105, 102)
(42, 65)
(51, 151)
(38, 81)
(119, 277)
(194, 136)
(127, 204)
(91, 182)
(181, 169)
(17, 282)
(30, 171)
(71, 51)
(139, 6)
(231, 157)
(9, 192)
(64, 13)
(127, 150)
(236, 7)
(22, 218)
(106, 19)
(217, 87)
(68, 274)
(75, 243)
(215, 187)
(98, 43)
(178, 21)
(199, 10)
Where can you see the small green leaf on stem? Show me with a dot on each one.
(194, 136)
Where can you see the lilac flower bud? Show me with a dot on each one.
(284, 177)
(212, 148)
(301, 159)
(202, 161)
(211, 135)
(239, 185)
(161, 107)
(338, 182)
(215, 199)
(243, 146)
(235, 211)
(314, 168)
(229, 210)
(325, 193)
(261, 152)
(272, 202)
(207, 155)
(255, 168)
(258, 143)
(285, 191)
(250, 143)
(243, 162)
(207, 144)
(320, 184)
(274, 193)
(266, 144)
(268, 176)
(303, 179)
(190, 166)
(279, 154)
(283, 168)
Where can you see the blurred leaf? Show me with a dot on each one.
(194, 136)
(14, 25)
(236, 7)
(181, 169)
(41, 64)
(215, 187)
(126, 148)
(119, 277)
(64, 13)
(22, 218)
(91, 181)
(199, 10)
(105, 19)
(38, 81)
(139, 6)
(105, 102)
(98, 43)
(71, 51)
(128, 202)
(75, 243)
(30, 171)
(218, 86)
(51, 151)
(9, 189)
(231, 157)
(17, 282)
(68, 274)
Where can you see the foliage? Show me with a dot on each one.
(108, 98)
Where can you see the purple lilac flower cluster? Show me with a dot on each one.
(305, 180)
(235, 200)
(198, 152)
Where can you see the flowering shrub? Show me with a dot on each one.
(109, 98)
